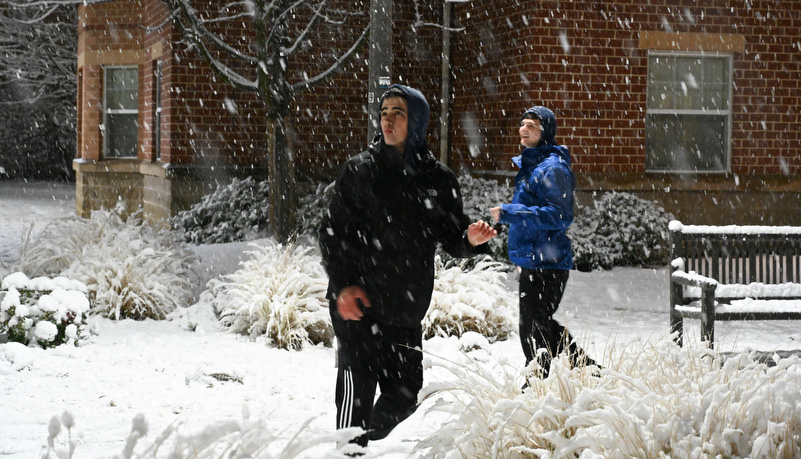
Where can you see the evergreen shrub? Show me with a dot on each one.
(238, 211)
(312, 208)
(620, 229)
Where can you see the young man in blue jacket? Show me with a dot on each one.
(392, 205)
(538, 217)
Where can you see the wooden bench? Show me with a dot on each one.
(733, 273)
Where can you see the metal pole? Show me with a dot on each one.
(380, 60)
(445, 95)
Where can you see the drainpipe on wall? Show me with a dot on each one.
(380, 71)
(444, 118)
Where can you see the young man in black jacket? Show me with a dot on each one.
(392, 204)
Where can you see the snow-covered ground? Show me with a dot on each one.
(166, 370)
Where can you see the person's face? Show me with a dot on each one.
(394, 122)
(530, 132)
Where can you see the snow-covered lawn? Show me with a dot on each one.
(189, 373)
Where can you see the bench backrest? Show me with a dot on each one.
(739, 254)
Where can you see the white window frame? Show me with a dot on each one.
(107, 111)
(695, 112)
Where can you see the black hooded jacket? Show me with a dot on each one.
(387, 215)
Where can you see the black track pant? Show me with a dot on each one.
(541, 292)
(370, 354)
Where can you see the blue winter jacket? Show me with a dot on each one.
(542, 206)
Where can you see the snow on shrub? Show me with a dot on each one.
(132, 269)
(620, 229)
(246, 438)
(479, 195)
(471, 300)
(312, 208)
(238, 211)
(653, 400)
(279, 291)
(42, 311)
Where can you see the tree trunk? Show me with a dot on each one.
(283, 195)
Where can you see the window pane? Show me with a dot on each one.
(716, 84)
(660, 68)
(688, 96)
(122, 87)
(661, 83)
(121, 134)
(716, 96)
(686, 142)
(715, 71)
(662, 96)
(690, 76)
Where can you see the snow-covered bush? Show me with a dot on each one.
(279, 291)
(471, 300)
(132, 269)
(42, 311)
(620, 229)
(312, 208)
(479, 195)
(653, 400)
(238, 211)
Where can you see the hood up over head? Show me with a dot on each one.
(547, 121)
(416, 146)
(547, 144)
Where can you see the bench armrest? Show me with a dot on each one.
(693, 279)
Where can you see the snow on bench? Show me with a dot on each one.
(733, 273)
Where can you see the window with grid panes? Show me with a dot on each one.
(120, 111)
(688, 118)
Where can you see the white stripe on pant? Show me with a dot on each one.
(347, 401)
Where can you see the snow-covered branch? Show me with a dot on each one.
(38, 58)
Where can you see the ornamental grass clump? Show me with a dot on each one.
(245, 438)
(278, 292)
(650, 400)
(43, 312)
(471, 297)
(131, 268)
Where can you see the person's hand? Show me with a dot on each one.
(496, 214)
(480, 232)
(348, 303)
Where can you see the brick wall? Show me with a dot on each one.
(588, 62)
(332, 118)
(585, 60)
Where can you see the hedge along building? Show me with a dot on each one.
(692, 106)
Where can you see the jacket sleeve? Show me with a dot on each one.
(338, 235)
(555, 188)
(454, 232)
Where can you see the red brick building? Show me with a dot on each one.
(691, 104)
